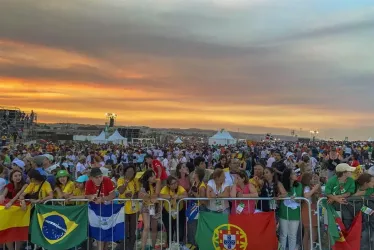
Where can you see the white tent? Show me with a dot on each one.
(99, 139)
(117, 138)
(178, 141)
(222, 138)
(370, 139)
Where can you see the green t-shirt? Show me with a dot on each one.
(333, 187)
(287, 213)
(368, 192)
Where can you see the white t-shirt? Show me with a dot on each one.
(270, 162)
(79, 168)
(217, 205)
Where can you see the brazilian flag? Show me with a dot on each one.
(59, 227)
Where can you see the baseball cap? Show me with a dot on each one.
(62, 173)
(344, 167)
(82, 178)
(49, 157)
(95, 172)
(19, 163)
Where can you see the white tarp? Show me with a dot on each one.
(222, 138)
(178, 141)
(117, 138)
(370, 139)
(99, 139)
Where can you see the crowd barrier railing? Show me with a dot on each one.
(64, 202)
(299, 199)
(347, 213)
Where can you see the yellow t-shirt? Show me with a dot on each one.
(256, 184)
(357, 172)
(166, 190)
(78, 192)
(67, 189)
(133, 187)
(34, 187)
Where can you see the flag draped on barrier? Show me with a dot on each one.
(107, 222)
(223, 231)
(340, 237)
(14, 223)
(58, 227)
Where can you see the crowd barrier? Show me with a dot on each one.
(89, 244)
(257, 200)
(347, 214)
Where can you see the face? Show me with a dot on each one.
(223, 161)
(148, 161)
(196, 178)
(97, 180)
(17, 177)
(173, 185)
(202, 164)
(79, 185)
(308, 169)
(277, 156)
(129, 173)
(234, 165)
(240, 179)
(259, 171)
(220, 179)
(63, 180)
(293, 176)
(268, 175)
(184, 170)
(46, 162)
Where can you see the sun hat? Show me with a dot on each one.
(62, 173)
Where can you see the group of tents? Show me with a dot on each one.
(115, 138)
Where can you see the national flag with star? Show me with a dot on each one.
(236, 232)
(59, 227)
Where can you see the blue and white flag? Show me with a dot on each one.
(107, 222)
(192, 211)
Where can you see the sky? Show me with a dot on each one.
(256, 66)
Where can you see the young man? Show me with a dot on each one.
(341, 185)
(99, 188)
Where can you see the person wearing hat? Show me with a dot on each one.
(341, 185)
(64, 186)
(79, 190)
(99, 188)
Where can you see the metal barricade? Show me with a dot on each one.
(114, 246)
(347, 214)
(300, 199)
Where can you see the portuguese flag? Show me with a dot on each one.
(340, 237)
(14, 223)
(223, 231)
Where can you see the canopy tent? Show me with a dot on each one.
(370, 139)
(117, 138)
(99, 139)
(178, 141)
(222, 138)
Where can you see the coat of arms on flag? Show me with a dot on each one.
(229, 237)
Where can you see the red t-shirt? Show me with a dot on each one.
(106, 188)
(355, 163)
(162, 176)
(11, 191)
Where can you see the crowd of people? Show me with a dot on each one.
(102, 173)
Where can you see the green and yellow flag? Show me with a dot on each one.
(59, 227)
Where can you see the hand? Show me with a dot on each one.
(99, 200)
(341, 200)
(128, 194)
(239, 194)
(8, 205)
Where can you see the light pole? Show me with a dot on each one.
(111, 117)
(313, 134)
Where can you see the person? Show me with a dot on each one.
(341, 185)
(311, 190)
(270, 189)
(173, 192)
(290, 160)
(80, 168)
(333, 159)
(199, 162)
(64, 186)
(129, 188)
(149, 192)
(99, 188)
(43, 163)
(365, 185)
(218, 188)
(257, 180)
(79, 190)
(243, 188)
(198, 190)
(3, 182)
(13, 189)
(182, 173)
(157, 167)
(222, 162)
(38, 191)
(278, 165)
(289, 211)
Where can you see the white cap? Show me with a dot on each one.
(344, 167)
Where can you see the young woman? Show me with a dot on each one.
(311, 190)
(79, 190)
(11, 192)
(38, 191)
(128, 188)
(64, 186)
(149, 192)
(173, 192)
(270, 189)
(217, 188)
(182, 175)
(289, 212)
(365, 185)
(242, 188)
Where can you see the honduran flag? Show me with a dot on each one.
(107, 222)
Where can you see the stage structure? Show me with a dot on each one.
(112, 117)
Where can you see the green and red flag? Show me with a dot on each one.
(236, 232)
(340, 237)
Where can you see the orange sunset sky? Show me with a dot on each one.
(258, 66)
